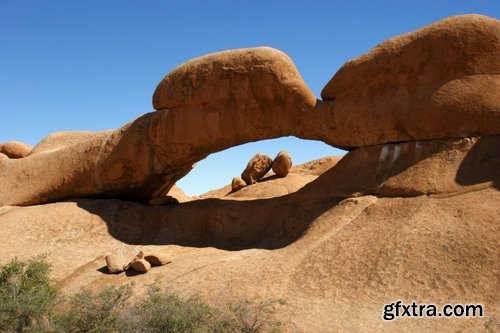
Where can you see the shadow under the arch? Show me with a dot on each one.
(275, 222)
(222, 223)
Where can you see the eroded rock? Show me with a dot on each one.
(438, 82)
(256, 168)
(58, 140)
(407, 169)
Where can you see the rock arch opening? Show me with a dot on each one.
(211, 177)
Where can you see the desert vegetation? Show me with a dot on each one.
(30, 302)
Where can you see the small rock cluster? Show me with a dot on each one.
(124, 258)
(259, 166)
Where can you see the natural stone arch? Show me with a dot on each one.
(229, 98)
(215, 173)
(209, 104)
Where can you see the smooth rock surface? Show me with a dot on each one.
(438, 82)
(324, 257)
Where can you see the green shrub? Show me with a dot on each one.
(254, 317)
(96, 313)
(163, 312)
(27, 296)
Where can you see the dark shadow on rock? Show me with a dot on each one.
(132, 272)
(227, 224)
(268, 178)
(482, 163)
(104, 270)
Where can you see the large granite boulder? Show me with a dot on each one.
(438, 82)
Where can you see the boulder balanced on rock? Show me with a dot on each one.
(256, 168)
(282, 164)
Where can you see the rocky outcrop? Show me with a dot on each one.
(437, 167)
(271, 186)
(282, 164)
(15, 149)
(303, 247)
(256, 168)
(438, 82)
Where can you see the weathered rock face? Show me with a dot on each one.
(63, 139)
(109, 164)
(436, 167)
(282, 164)
(15, 149)
(256, 168)
(244, 95)
(438, 82)
(263, 77)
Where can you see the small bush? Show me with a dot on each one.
(27, 296)
(96, 313)
(163, 312)
(253, 317)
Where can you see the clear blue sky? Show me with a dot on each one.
(92, 65)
